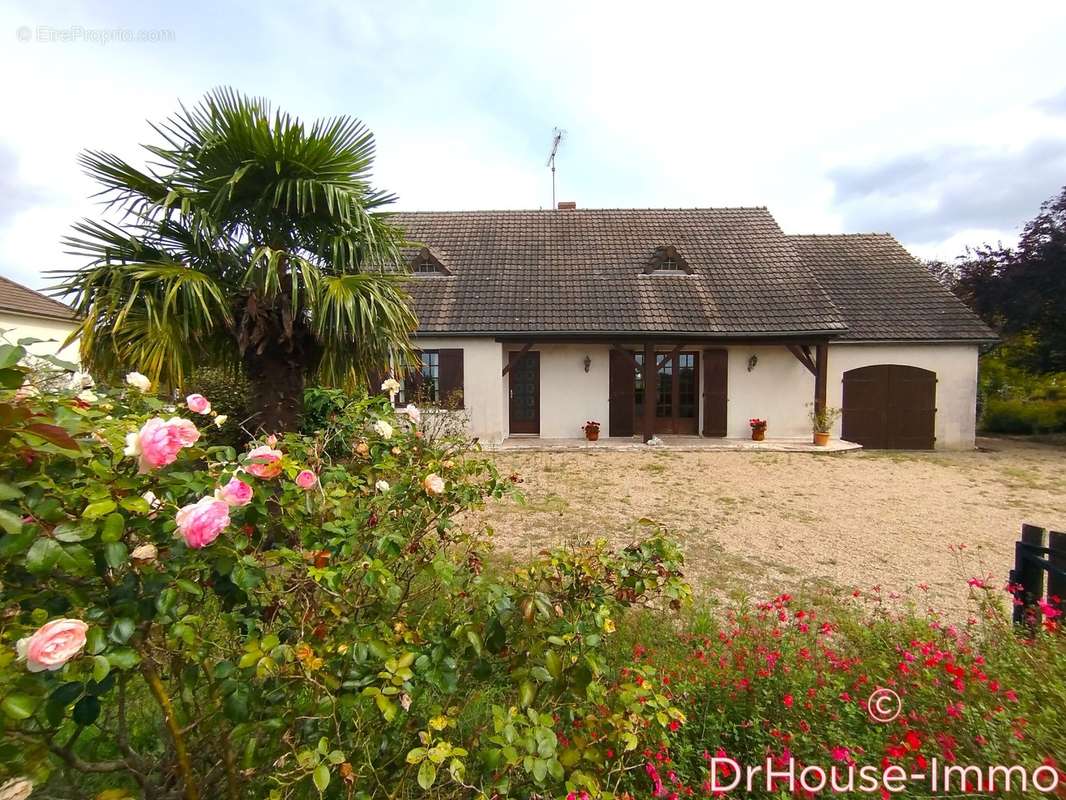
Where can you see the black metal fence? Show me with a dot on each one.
(1038, 551)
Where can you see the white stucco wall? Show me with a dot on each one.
(955, 366)
(482, 363)
(569, 396)
(18, 327)
(777, 389)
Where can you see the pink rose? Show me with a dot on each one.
(53, 645)
(198, 403)
(235, 493)
(158, 442)
(306, 479)
(433, 483)
(201, 522)
(266, 462)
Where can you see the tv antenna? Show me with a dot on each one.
(557, 139)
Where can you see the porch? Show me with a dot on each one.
(679, 444)
(697, 387)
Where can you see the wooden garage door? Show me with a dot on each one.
(890, 407)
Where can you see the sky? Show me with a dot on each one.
(943, 123)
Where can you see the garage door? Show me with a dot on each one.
(891, 407)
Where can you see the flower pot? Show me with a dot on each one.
(592, 436)
(821, 439)
(758, 434)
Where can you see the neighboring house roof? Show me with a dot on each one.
(884, 293)
(18, 299)
(583, 272)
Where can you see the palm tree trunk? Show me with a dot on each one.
(277, 384)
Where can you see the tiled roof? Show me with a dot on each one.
(883, 292)
(582, 271)
(19, 299)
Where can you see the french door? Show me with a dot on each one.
(677, 394)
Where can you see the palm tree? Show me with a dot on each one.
(250, 241)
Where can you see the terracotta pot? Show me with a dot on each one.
(592, 435)
(821, 439)
(758, 434)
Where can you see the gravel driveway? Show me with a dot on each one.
(771, 522)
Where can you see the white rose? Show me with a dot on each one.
(87, 396)
(139, 382)
(433, 483)
(220, 420)
(392, 386)
(382, 486)
(412, 413)
(384, 429)
(144, 552)
(133, 445)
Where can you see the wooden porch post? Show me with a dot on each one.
(821, 375)
(651, 390)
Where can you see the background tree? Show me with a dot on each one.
(1020, 291)
(251, 241)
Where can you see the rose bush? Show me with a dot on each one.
(181, 620)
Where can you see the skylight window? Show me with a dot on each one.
(667, 261)
(428, 263)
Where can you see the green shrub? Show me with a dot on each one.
(1024, 416)
(322, 628)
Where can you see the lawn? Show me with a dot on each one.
(753, 522)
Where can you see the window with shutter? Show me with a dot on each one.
(437, 381)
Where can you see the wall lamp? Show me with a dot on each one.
(752, 362)
(588, 362)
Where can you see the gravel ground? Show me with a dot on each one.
(765, 523)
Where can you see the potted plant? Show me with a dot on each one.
(592, 430)
(758, 429)
(822, 423)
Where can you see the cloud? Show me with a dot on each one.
(931, 197)
(15, 193)
(1054, 105)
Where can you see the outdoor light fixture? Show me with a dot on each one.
(752, 362)
(588, 362)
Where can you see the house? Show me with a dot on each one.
(541, 320)
(26, 314)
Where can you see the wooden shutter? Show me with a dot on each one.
(450, 377)
(412, 380)
(715, 392)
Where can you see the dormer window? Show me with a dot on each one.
(428, 263)
(667, 261)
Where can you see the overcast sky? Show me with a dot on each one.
(943, 123)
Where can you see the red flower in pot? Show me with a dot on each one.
(592, 430)
(758, 429)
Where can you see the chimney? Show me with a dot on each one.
(567, 205)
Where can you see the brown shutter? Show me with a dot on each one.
(412, 380)
(450, 377)
(715, 392)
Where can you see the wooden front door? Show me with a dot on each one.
(715, 392)
(890, 407)
(677, 395)
(524, 392)
(621, 394)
